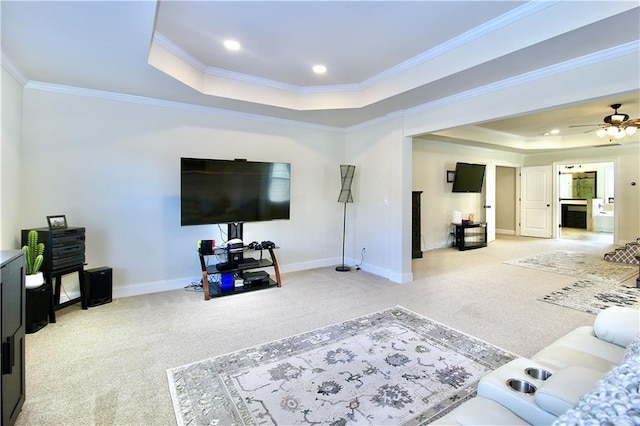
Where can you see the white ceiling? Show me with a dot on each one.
(382, 57)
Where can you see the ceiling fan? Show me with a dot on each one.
(616, 125)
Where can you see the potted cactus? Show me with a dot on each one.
(34, 257)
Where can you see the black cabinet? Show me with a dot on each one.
(416, 232)
(470, 235)
(64, 253)
(13, 332)
(574, 216)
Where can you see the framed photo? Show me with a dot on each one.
(450, 175)
(58, 221)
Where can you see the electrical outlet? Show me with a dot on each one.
(364, 246)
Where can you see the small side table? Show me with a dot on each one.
(54, 280)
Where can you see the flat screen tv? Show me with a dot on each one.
(233, 191)
(468, 177)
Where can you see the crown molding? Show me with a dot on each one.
(178, 51)
(13, 71)
(120, 97)
(488, 27)
(630, 48)
(471, 35)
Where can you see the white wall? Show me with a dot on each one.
(11, 162)
(381, 212)
(113, 167)
(431, 160)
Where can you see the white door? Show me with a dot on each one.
(490, 201)
(536, 201)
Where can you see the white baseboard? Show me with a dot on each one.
(153, 287)
(506, 231)
(313, 264)
(176, 284)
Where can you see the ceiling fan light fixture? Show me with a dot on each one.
(616, 125)
(618, 118)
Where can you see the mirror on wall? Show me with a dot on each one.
(580, 185)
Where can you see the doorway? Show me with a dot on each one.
(506, 200)
(586, 202)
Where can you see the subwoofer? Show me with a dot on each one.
(97, 286)
(38, 301)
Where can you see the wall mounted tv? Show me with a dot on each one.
(468, 177)
(233, 191)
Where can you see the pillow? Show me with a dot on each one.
(617, 325)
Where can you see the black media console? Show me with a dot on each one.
(470, 235)
(238, 266)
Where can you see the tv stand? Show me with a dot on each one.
(470, 236)
(238, 268)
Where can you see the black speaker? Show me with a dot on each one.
(38, 301)
(97, 286)
(206, 246)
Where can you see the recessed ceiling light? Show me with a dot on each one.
(232, 45)
(319, 69)
(555, 131)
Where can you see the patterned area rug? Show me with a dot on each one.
(389, 367)
(579, 265)
(594, 296)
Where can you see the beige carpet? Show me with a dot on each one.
(107, 365)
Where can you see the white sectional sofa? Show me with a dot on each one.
(589, 376)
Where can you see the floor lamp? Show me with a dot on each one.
(346, 174)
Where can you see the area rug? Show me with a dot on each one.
(577, 264)
(594, 296)
(388, 368)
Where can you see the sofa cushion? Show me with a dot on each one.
(557, 357)
(615, 400)
(564, 388)
(592, 345)
(617, 325)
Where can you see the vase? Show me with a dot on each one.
(34, 280)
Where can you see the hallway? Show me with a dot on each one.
(586, 236)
